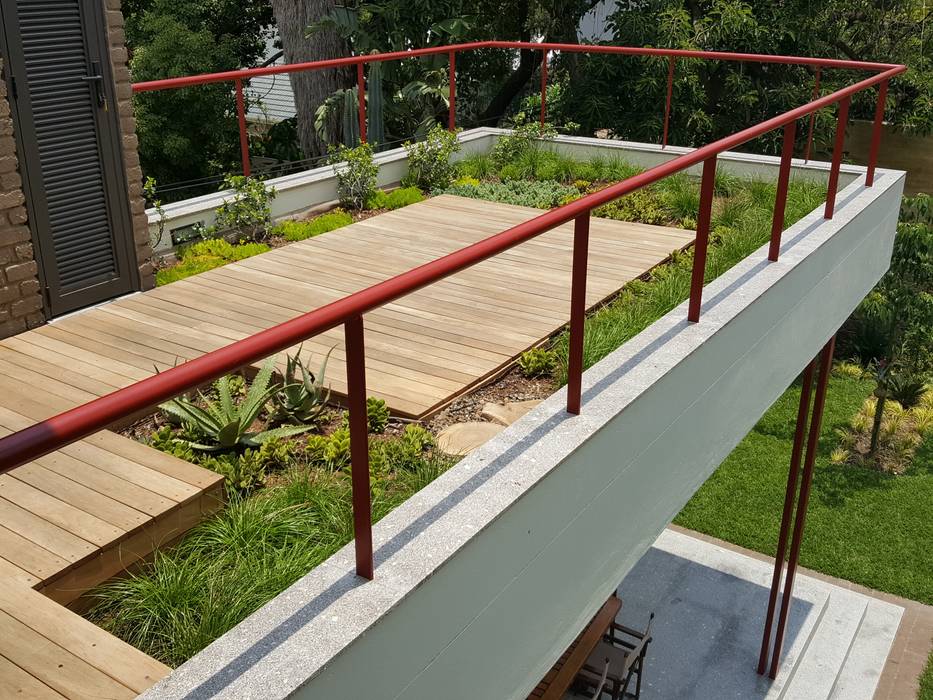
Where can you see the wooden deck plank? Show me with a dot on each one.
(75, 520)
(17, 683)
(89, 643)
(55, 666)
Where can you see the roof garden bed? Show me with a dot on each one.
(289, 492)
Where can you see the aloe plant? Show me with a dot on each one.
(224, 425)
(302, 398)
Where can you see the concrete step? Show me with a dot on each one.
(815, 673)
(858, 678)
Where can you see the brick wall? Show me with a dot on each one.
(20, 298)
(121, 77)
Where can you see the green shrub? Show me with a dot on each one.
(300, 230)
(537, 362)
(248, 212)
(377, 414)
(523, 138)
(466, 181)
(542, 194)
(429, 166)
(356, 173)
(396, 199)
(478, 166)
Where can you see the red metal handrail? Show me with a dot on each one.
(52, 434)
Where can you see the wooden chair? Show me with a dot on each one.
(619, 655)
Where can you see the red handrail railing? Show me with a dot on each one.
(60, 430)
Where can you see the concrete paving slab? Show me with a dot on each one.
(709, 604)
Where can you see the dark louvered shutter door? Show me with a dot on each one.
(75, 179)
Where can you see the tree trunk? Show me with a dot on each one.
(310, 88)
(881, 395)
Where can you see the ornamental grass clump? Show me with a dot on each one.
(234, 562)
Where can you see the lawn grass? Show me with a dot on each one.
(926, 681)
(862, 525)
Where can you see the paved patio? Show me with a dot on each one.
(709, 603)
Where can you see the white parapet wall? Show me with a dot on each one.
(485, 576)
(310, 189)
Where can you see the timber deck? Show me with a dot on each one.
(79, 516)
(421, 351)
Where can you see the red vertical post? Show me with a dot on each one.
(702, 240)
(581, 237)
(876, 134)
(543, 88)
(819, 400)
(667, 103)
(780, 197)
(359, 446)
(793, 475)
(816, 93)
(241, 120)
(361, 99)
(452, 97)
(837, 158)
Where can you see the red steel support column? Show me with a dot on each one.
(837, 158)
(793, 475)
(780, 197)
(452, 98)
(241, 120)
(816, 93)
(702, 239)
(826, 365)
(876, 134)
(581, 236)
(543, 88)
(667, 104)
(361, 99)
(359, 447)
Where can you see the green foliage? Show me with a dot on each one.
(300, 230)
(153, 199)
(542, 194)
(206, 255)
(713, 99)
(862, 525)
(377, 414)
(356, 175)
(890, 331)
(396, 199)
(429, 166)
(248, 211)
(331, 452)
(523, 139)
(925, 691)
(237, 560)
(478, 166)
(917, 210)
(642, 303)
(301, 399)
(225, 424)
(242, 472)
(641, 205)
(537, 362)
(190, 133)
